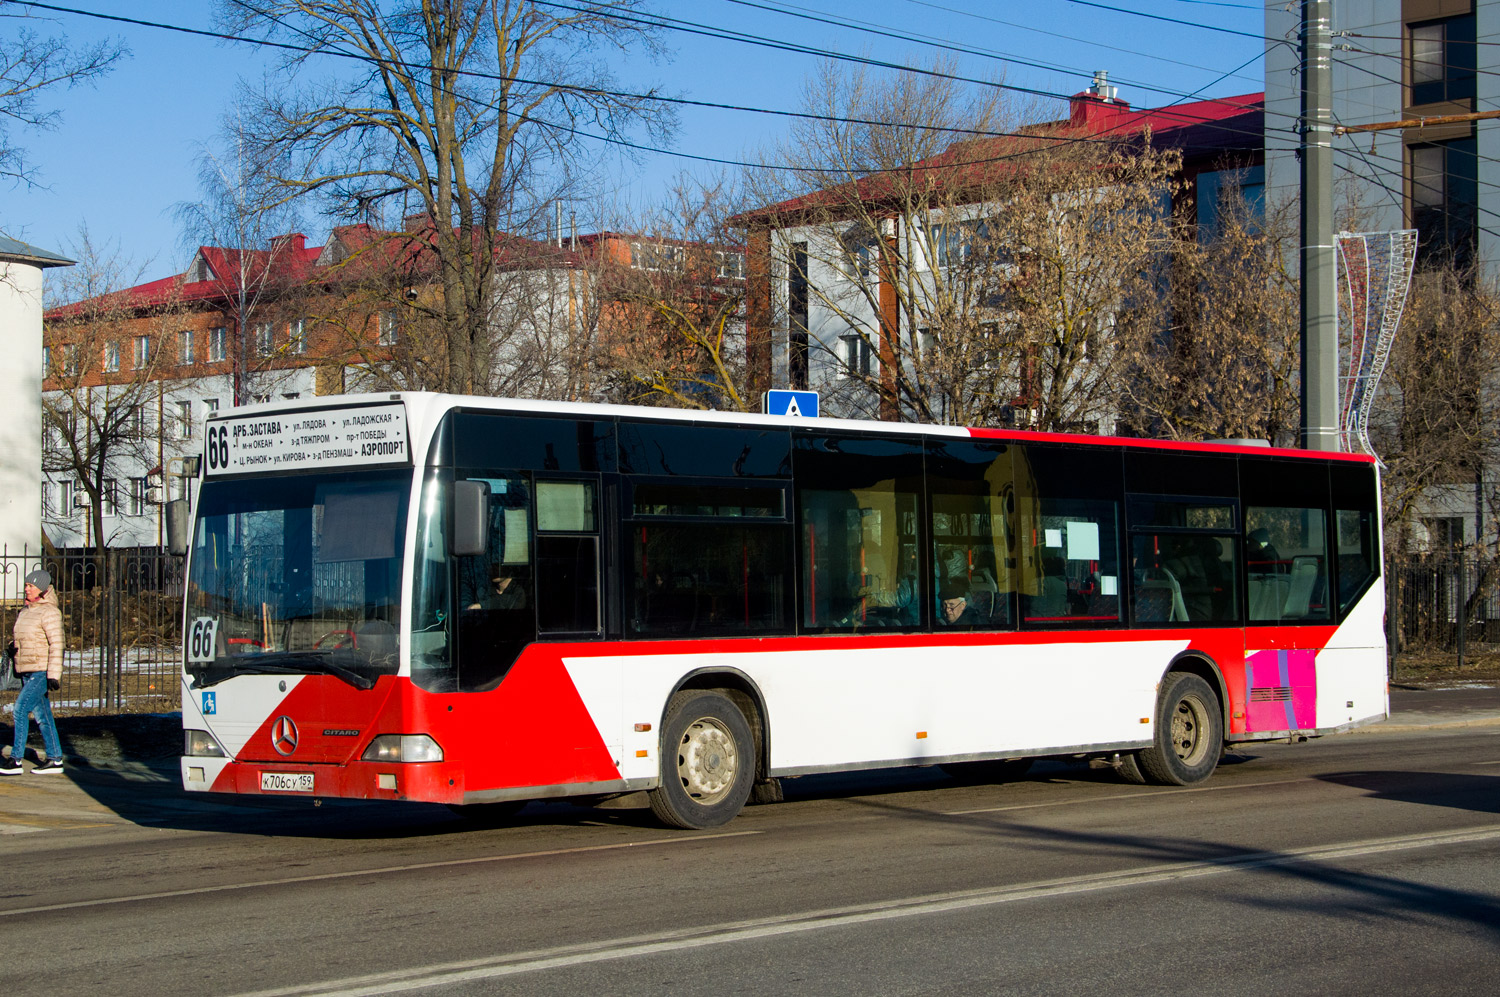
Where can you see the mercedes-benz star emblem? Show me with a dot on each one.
(284, 735)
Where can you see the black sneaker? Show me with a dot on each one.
(48, 767)
(9, 766)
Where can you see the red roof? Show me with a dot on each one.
(1207, 127)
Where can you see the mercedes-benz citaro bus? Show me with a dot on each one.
(480, 602)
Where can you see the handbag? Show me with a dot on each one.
(9, 680)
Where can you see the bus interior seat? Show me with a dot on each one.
(1267, 593)
(1158, 598)
(1300, 586)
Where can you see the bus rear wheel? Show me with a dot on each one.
(1189, 735)
(707, 760)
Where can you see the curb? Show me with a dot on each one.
(1387, 727)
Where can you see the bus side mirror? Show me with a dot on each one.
(471, 518)
(179, 527)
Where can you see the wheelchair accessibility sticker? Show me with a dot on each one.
(209, 704)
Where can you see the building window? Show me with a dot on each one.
(655, 256)
(729, 266)
(218, 343)
(387, 334)
(141, 354)
(798, 294)
(296, 336)
(1442, 60)
(46, 360)
(65, 499)
(185, 346)
(111, 357)
(264, 338)
(210, 407)
(70, 360)
(183, 417)
(857, 355)
(137, 496)
(1445, 200)
(111, 497)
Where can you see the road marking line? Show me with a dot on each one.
(1143, 794)
(471, 970)
(352, 874)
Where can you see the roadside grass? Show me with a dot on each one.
(1436, 669)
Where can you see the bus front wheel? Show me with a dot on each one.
(1189, 735)
(707, 761)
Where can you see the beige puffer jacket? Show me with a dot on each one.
(38, 634)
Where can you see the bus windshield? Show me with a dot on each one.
(297, 575)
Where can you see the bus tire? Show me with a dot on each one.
(988, 772)
(1189, 733)
(707, 761)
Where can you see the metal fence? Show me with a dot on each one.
(122, 617)
(122, 622)
(1444, 604)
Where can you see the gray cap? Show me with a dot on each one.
(40, 578)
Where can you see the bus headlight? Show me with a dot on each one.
(201, 743)
(403, 748)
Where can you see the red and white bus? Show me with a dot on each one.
(480, 602)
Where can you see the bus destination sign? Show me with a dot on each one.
(361, 436)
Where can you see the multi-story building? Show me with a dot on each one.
(130, 376)
(826, 311)
(1432, 64)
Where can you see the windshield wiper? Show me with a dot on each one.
(291, 663)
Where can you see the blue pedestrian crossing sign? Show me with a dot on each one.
(803, 403)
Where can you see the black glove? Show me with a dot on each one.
(53, 685)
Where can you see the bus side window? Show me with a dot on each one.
(567, 562)
(1286, 561)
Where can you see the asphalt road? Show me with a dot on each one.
(1359, 863)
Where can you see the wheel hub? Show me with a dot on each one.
(706, 761)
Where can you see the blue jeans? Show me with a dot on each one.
(33, 699)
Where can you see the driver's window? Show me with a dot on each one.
(496, 604)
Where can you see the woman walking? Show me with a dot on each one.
(38, 640)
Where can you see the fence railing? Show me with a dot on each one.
(1445, 603)
(122, 625)
(122, 618)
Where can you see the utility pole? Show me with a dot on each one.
(1320, 338)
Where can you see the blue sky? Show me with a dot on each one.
(124, 153)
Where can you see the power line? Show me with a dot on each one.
(887, 32)
(1055, 34)
(406, 68)
(1175, 20)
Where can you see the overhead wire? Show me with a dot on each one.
(1071, 38)
(886, 32)
(613, 140)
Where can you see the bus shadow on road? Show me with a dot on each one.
(1477, 793)
(1349, 893)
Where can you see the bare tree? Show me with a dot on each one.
(1217, 357)
(463, 112)
(962, 267)
(32, 64)
(671, 325)
(102, 408)
(1437, 421)
(240, 233)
